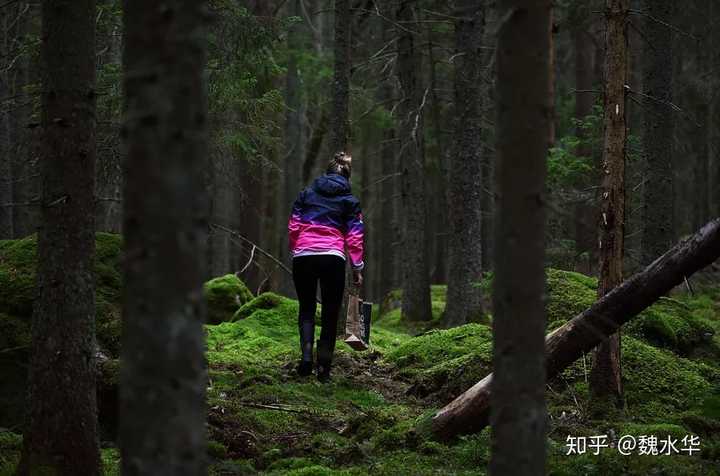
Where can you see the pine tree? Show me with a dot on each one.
(163, 375)
(61, 436)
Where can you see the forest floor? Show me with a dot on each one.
(264, 419)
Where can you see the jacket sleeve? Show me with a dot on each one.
(294, 224)
(354, 235)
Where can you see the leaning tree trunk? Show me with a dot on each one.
(341, 81)
(163, 376)
(61, 436)
(606, 376)
(659, 135)
(469, 412)
(465, 247)
(524, 110)
(416, 279)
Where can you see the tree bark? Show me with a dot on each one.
(658, 139)
(465, 247)
(294, 145)
(61, 436)
(341, 78)
(416, 279)
(470, 411)
(585, 210)
(26, 149)
(606, 375)
(163, 376)
(524, 110)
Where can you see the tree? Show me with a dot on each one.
(583, 51)
(416, 284)
(659, 135)
(465, 250)
(341, 79)
(294, 138)
(606, 376)
(469, 413)
(61, 436)
(163, 375)
(523, 138)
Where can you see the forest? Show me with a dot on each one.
(525, 195)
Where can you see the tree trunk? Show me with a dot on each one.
(416, 279)
(658, 139)
(341, 81)
(61, 436)
(585, 210)
(524, 110)
(606, 376)
(470, 411)
(163, 377)
(294, 145)
(6, 126)
(465, 250)
(26, 141)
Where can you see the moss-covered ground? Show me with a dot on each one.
(264, 419)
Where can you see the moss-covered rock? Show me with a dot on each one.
(225, 295)
(444, 363)
(263, 301)
(569, 294)
(658, 383)
(18, 261)
(669, 323)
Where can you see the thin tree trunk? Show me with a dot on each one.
(6, 127)
(294, 144)
(606, 375)
(163, 377)
(524, 110)
(62, 434)
(585, 210)
(659, 136)
(26, 142)
(416, 279)
(465, 250)
(341, 81)
(470, 412)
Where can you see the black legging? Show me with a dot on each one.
(330, 271)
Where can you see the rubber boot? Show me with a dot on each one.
(324, 361)
(307, 331)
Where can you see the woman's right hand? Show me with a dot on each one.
(357, 277)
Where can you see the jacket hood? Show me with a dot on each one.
(331, 185)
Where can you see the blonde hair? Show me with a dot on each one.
(341, 164)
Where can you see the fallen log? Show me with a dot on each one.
(469, 413)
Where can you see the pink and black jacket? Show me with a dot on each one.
(326, 220)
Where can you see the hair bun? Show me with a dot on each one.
(342, 158)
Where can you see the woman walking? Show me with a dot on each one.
(325, 229)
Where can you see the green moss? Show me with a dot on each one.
(569, 295)
(110, 458)
(658, 383)
(263, 301)
(437, 346)
(225, 295)
(17, 276)
(10, 441)
(216, 450)
(14, 333)
(669, 323)
(18, 261)
(445, 362)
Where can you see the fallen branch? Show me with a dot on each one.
(271, 407)
(469, 413)
(246, 240)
